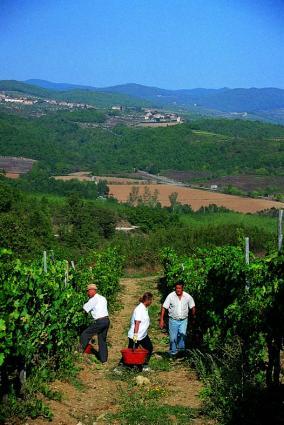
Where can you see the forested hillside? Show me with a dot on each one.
(216, 146)
(83, 95)
(223, 99)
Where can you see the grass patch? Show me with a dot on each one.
(160, 364)
(17, 408)
(49, 393)
(154, 414)
(269, 224)
(139, 274)
(77, 383)
(142, 405)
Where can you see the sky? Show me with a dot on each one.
(165, 43)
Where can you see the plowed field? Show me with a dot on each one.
(197, 198)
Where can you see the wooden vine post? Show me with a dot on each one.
(247, 250)
(280, 234)
(44, 262)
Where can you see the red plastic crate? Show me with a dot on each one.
(134, 357)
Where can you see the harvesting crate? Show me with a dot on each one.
(134, 356)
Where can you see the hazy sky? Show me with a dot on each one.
(165, 43)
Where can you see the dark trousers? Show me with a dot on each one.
(100, 328)
(274, 345)
(145, 343)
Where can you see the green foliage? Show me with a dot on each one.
(231, 147)
(239, 306)
(238, 128)
(83, 115)
(39, 180)
(73, 227)
(154, 413)
(41, 313)
(148, 218)
(186, 233)
(7, 198)
(25, 224)
(83, 226)
(32, 408)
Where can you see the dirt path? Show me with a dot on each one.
(103, 394)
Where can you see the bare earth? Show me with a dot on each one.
(101, 394)
(158, 124)
(245, 182)
(12, 175)
(197, 198)
(15, 166)
(120, 188)
(85, 176)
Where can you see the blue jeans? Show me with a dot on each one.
(177, 330)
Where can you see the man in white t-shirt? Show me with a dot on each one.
(97, 307)
(178, 304)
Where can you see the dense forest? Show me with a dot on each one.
(219, 147)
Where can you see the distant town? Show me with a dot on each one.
(120, 114)
(24, 100)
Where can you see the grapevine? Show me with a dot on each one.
(41, 313)
(240, 315)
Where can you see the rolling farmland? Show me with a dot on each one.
(197, 198)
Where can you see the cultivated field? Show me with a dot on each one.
(86, 176)
(12, 175)
(197, 198)
(14, 166)
(80, 175)
(243, 182)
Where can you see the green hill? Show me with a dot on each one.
(23, 88)
(266, 104)
(91, 97)
(219, 147)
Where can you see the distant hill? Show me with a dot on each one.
(258, 103)
(24, 88)
(58, 86)
(81, 95)
(225, 99)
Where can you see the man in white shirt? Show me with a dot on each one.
(178, 303)
(97, 306)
